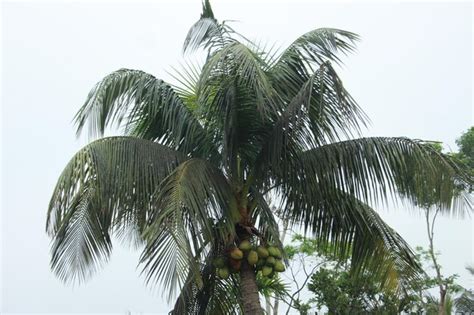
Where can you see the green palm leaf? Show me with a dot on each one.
(107, 186)
(369, 168)
(236, 63)
(214, 295)
(188, 203)
(307, 53)
(321, 112)
(145, 107)
(207, 32)
(354, 230)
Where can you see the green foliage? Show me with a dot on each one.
(335, 285)
(341, 293)
(422, 298)
(271, 287)
(466, 145)
(424, 256)
(465, 156)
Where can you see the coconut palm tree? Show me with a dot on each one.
(192, 172)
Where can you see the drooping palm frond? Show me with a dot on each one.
(265, 221)
(320, 45)
(321, 112)
(306, 54)
(214, 295)
(321, 188)
(465, 302)
(372, 168)
(106, 187)
(145, 107)
(188, 203)
(354, 230)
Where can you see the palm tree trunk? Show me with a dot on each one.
(250, 298)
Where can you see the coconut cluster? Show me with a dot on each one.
(265, 259)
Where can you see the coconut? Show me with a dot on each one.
(262, 252)
(245, 245)
(223, 273)
(252, 257)
(219, 262)
(279, 266)
(236, 253)
(260, 263)
(270, 261)
(266, 271)
(274, 251)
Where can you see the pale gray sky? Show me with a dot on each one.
(412, 74)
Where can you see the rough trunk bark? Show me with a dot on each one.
(250, 298)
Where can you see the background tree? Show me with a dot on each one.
(342, 293)
(428, 203)
(424, 300)
(188, 179)
(465, 155)
(322, 281)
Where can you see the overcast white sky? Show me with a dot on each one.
(412, 74)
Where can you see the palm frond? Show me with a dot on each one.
(373, 168)
(311, 50)
(231, 90)
(265, 220)
(320, 112)
(236, 62)
(107, 186)
(145, 107)
(465, 302)
(214, 296)
(272, 287)
(349, 228)
(188, 203)
(207, 32)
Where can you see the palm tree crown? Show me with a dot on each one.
(193, 171)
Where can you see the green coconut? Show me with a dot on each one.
(223, 273)
(245, 245)
(274, 251)
(262, 252)
(236, 253)
(260, 263)
(219, 262)
(279, 266)
(270, 261)
(252, 257)
(266, 271)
